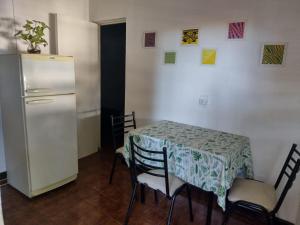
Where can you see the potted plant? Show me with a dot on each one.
(33, 34)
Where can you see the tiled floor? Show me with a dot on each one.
(92, 201)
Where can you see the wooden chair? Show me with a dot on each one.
(121, 125)
(155, 177)
(259, 197)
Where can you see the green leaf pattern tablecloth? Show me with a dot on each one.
(205, 158)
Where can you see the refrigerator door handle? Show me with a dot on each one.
(40, 101)
(38, 90)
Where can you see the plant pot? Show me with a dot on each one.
(33, 50)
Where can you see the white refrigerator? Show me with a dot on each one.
(38, 105)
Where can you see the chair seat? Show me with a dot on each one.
(254, 192)
(120, 150)
(158, 183)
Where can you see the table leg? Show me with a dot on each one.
(209, 207)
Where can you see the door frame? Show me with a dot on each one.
(112, 21)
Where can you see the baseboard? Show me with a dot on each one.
(3, 178)
(279, 221)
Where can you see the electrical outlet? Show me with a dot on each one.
(203, 100)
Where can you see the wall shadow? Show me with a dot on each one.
(7, 28)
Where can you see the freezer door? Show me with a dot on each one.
(47, 75)
(51, 126)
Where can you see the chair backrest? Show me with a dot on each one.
(290, 170)
(121, 125)
(141, 160)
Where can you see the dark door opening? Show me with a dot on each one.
(113, 51)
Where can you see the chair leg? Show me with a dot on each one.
(113, 168)
(227, 213)
(142, 193)
(130, 204)
(190, 202)
(155, 196)
(209, 207)
(131, 177)
(270, 219)
(171, 210)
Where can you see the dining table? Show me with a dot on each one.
(205, 158)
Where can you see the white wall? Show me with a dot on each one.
(261, 102)
(7, 45)
(298, 218)
(2, 156)
(78, 11)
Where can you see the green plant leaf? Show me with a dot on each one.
(18, 33)
(214, 174)
(24, 37)
(196, 156)
(27, 27)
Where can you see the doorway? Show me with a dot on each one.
(113, 53)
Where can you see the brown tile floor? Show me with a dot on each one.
(90, 200)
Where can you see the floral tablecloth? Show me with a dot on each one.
(205, 158)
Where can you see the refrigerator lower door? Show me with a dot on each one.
(51, 125)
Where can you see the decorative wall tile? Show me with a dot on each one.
(209, 56)
(190, 37)
(273, 54)
(170, 57)
(149, 39)
(236, 30)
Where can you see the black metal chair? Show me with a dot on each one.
(121, 125)
(155, 177)
(259, 197)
